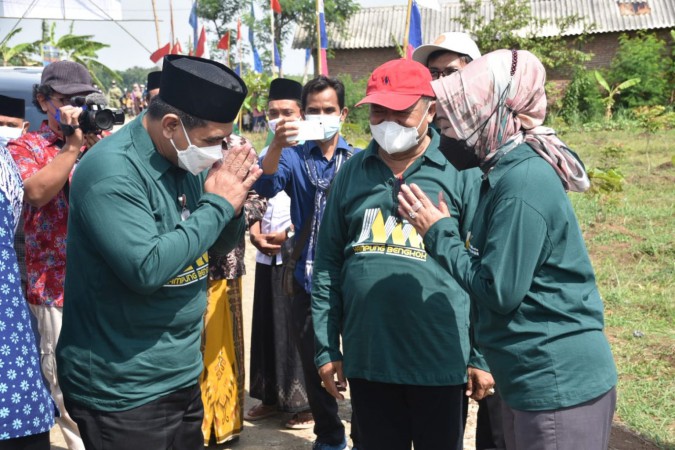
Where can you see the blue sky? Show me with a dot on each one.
(124, 52)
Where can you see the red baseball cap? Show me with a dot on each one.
(398, 84)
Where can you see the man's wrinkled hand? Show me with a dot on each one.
(265, 243)
(234, 176)
(328, 372)
(479, 384)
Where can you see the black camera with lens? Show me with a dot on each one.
(95, 116)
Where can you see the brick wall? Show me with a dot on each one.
(361, 62)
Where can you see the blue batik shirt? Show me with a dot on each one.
(293, 178)
(25, 405)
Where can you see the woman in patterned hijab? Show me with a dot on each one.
(538, 316)
(494, 105)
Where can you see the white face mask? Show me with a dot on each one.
(331, 124)
(197, 159)
(10, 132)
(395, 138)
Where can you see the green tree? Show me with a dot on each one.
(582, 101)
(20, 54)
(301, 13)
(613, 91)
(220, 14)
(79, 48)
(514, 26)
(645, 57)
(135, 75)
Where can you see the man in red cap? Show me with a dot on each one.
(403, 322)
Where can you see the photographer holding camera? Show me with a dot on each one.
(46, 159)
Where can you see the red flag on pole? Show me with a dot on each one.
(160, 53)
(238, 29)
(224, 42)
(276, 6)
(201, 44)
(177, 49)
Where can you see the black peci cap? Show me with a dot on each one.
(12, 107)
(202, 88)
(154, 79)
(285, 89)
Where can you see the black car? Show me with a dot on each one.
(18, 82)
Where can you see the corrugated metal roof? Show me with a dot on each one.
(380, 27)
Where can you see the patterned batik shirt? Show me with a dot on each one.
(25, 405)
(231, 266)
(45, 227)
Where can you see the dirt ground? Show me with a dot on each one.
(271, 434)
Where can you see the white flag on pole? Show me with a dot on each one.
(431, 4)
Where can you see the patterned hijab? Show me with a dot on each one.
(497, 102)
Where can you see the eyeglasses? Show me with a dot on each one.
(63, 100)
(436, 74)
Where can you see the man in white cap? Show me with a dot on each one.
(448, 53)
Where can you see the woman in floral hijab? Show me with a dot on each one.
(538, 315)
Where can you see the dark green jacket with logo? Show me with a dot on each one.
(402, 318)
(539, 321)
(135, 290)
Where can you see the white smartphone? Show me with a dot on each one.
(308, 131)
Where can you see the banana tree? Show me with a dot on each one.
(613, 91)
(20, 53)
(81, 49)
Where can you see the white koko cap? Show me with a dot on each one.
(460, 43)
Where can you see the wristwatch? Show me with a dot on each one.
(290, 232)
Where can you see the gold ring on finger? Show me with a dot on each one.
(417, 206)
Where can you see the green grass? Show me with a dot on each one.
(630, 236)
(631, 239)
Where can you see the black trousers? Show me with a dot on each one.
(489, 428)
(327, 425)
(395, 416)
(32, 442)
(173, 421)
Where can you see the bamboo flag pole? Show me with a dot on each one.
(274, 66)
(173, 38)
(406, 37)
(154, 12)
(318, 38)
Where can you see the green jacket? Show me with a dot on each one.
(135, 290)
(402, 319)
(539, 317)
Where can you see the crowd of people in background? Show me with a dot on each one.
(440, 263)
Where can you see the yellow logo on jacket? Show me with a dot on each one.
(390, 237)
(191, 274)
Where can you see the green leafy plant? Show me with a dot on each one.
(20, 54)
(79, 48)
(582, 102)
(643, 56)
(613, 91)
(605, 181)
(514, 26)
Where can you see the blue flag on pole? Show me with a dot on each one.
(194, 23)
(277, 57)
(257, 63)
(415, 34)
